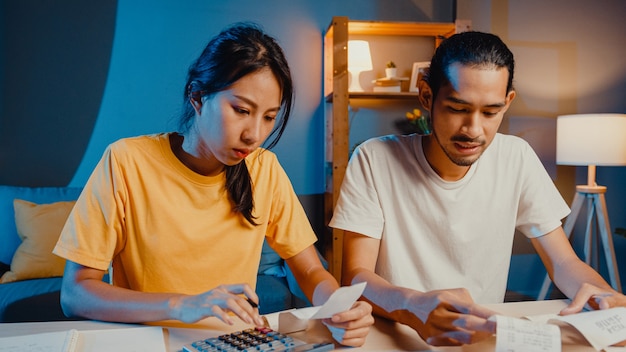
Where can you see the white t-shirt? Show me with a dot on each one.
(437, 234)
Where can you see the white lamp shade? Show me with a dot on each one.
(591, 139)
(359, 56)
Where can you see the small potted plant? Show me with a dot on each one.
(390, 70)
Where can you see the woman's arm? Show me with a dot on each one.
(84, 294)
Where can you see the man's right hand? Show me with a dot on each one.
(449, 317)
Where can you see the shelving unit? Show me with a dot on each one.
(336, 93)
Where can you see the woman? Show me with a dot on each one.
(181, 217)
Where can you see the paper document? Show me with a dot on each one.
(340, 301)
(518, 335)
(135, 339)
(601, 328)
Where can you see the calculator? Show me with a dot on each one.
(259, 339)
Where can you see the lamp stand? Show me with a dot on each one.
(355, 85)
(596, 205)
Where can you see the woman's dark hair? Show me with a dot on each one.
(475, 49)
(237, 51)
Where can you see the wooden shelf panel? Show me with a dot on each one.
(432, 29)
(378, 95)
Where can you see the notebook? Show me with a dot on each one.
(135, 339)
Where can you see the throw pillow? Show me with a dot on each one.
(39, 227)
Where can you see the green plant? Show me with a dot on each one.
(391, 64)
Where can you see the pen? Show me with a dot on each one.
(252, 303)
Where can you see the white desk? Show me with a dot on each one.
(384, 336)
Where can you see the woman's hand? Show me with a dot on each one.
(219, 302)
(350, 328)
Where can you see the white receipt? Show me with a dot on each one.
(340, 301)
(602, 328)
(518, 335)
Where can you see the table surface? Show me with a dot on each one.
(385, 335)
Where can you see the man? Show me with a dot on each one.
(429, 221)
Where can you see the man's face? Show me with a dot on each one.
(465, 117)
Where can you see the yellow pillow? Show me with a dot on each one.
(39, 227)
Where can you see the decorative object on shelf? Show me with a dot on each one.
(419, 68)
(590, 140)
(415, 122)
(389, 84)
(359, 60)
(391, 70)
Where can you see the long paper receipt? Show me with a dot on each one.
(340, 301)
(601, 328)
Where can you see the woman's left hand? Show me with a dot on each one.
(350, 328)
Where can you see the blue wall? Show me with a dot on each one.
(76, 75)
(56, 126)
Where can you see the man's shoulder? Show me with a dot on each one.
(386, 142)
(510, 142)
(510, 147)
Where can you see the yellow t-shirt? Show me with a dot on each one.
(166, 228)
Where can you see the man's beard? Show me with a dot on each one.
(459, 161)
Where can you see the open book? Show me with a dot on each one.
(601, 329)
(136, 339)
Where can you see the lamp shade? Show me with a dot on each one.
(359, 56)
(591, 139)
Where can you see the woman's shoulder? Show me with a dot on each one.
(261, 155)
(128, 144)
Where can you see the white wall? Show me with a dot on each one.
(569, 59)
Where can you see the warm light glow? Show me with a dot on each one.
(591, 139)
(359, 60)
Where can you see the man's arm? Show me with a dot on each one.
(442, 317)
(572, 276)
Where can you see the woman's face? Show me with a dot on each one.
(232, 123)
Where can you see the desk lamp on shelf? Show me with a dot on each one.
(591, 140)
(359, 60)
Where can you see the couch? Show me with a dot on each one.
(30, 275)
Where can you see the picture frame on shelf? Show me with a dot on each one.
(419, 68)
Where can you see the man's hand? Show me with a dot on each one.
(449, 318)
(596, 298)
(350, 328)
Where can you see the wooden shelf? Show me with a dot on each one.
(431, 29)
(336, 93)
(378, 95)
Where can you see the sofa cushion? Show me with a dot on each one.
(8, 231)
(39, 227)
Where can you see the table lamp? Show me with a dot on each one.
(591, 140)
(359, 60)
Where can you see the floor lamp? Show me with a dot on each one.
(590, 140)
